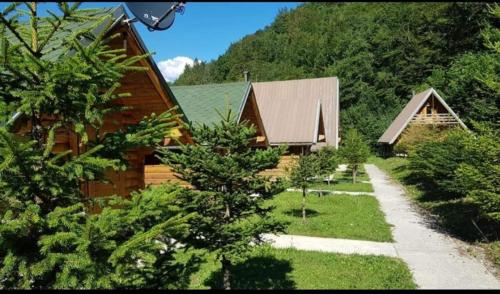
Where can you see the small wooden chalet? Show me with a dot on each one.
(424, 108)
(149, 94)
(201, 104)
(302, 114)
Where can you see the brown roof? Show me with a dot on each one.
(405, 116)
(290, 110)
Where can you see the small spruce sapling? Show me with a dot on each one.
(328, 162)
(354, 151)
(303, 174)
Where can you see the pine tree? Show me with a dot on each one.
(303, 174)
(354, 150)
(48, 238)
(228, 192)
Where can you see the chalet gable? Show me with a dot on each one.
(426, 107)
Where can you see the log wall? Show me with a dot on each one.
(157, 174)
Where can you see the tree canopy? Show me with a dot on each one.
(229, 193)
(49, 236)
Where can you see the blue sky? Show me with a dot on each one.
(204, 31)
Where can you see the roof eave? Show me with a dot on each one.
(449, 108)
(243, 102)
(316, 126)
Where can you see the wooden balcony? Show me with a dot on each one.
(436, 118)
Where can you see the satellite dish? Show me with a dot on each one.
(157, 16)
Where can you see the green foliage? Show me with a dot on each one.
(472, 86)
(379, 51)
(479, 175)
(48, 237)
(415, 134)
(354, 150)
(472, 80)
(303, 175)
(463, 165)
(433, 164)
(228, 193)
(130, 244)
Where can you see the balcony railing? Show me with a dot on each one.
(437, 118)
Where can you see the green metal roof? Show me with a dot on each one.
(200, 103)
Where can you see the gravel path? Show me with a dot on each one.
(433, 257)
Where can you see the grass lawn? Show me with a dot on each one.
(270, 268)
(343, 182)
(343, 186)
(492, 250)
(336, 216)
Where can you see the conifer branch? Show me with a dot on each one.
(9, 26)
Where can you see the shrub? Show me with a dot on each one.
(415, 135)
(479, 175)
(433, 164)
(130, 244)
(462, 166)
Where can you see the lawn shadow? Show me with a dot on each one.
(401, 168)
(262, 272)
(298, 212)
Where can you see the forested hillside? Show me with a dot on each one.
(381, 52)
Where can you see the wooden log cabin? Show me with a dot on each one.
(202, 104)
(149, 94)
(424, 108)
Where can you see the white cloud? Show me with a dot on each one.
(173, 68)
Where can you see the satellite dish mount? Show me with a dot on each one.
(156, 16)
